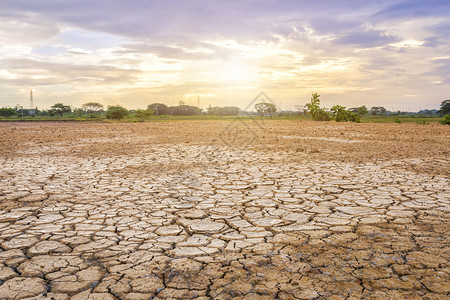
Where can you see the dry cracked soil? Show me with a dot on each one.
(225, 210)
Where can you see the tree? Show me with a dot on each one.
(143, 114)
(159, 108)
(378, 111)
(60, 109)
(265, 109)
(340, 114)
(362, 111)
(92, 107)
(184, 110)
(317, 113)
(78, 112)
(445, 108)
(223, 111)
(116, 112)
(7, 112)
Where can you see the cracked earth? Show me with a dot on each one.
(179, 210)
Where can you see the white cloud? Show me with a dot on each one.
(142, 51)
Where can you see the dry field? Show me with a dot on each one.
(224, 209)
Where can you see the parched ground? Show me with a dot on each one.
(224, 209)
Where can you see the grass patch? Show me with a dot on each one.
(399, 119)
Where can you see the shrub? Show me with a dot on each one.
(142, 114)
(397, 120)
(317, 113)
(422, 122)
(184, 110)
(340, 114)
(116, 112)
(7, 112)
(445, 120)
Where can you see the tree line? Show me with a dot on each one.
(95, 109)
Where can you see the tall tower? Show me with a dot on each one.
(32, 110)
(31, 99)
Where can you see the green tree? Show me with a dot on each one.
(223, 111)
(362, 111)
(60, 109)
(116, 112)
(445, 108)
(445, 120)
(7, 112)
(92, 107)
(159, 108)
(265, 109)
(317, 113)
(184, 110)
(378, 111)
(339, 113)
(78, 112)
(143, 114)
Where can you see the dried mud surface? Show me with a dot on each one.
(224, 209)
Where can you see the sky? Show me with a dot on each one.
(133, 53)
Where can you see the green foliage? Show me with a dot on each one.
(184, 110)
(445, 120)
(116, 112)
(142, 114)
(422, 122)
(223, 111)
(92, 107)
(160, 109)
(78, 112)
(317, 113)
(362, 111)
(445, 108)
(7, 112)
(265, 109)
(378, 111)
(340, 114)
(60, 109)
(397, 120)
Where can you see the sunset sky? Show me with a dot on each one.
(394, 54)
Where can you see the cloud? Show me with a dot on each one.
(29, 72)
(25, 31)
(332, 26)
(168, 49)
(441, 29)
(366, 39)
(413, 9)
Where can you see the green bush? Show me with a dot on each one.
(445, 120)
(7, 112)
(340, 114)
(142, 114)
(317, 113)
(116, 112)
(397, 120)
(422, 122)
